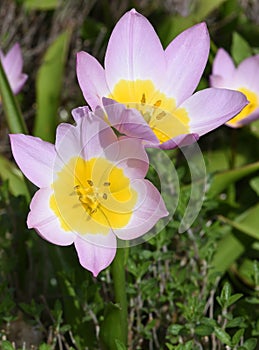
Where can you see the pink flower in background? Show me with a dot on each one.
(92, 188)
(158, 83)
(12, 63)
(244, 78)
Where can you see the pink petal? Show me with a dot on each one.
(34, 157)
(217, 81)
(224, 67)
(96, 253)
(247, 120)
(186, 58)
(134, 51)
(87, 139)
(180, 141)
(18, 82)
(12, 64)
(91, 78)
(128, 121)
(148, 210)
(80, 112)
(44, 220)
(130, 155)
(247, 74)
(210, 108)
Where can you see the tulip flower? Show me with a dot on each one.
(92, 188)
(12, 64)
(159, 83)
(244, 78)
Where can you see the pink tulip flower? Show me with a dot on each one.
(91, 188)
(244, 78)
(12, 64)
(159, 83)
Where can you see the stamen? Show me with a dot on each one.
(90, 196)
(161, 115)
(158, 103)
(147, 117)
(143, 99)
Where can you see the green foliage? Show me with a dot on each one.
(40, 4)
(240, 48)
(49, 85)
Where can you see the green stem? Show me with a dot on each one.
(119, 280)
(10, 106)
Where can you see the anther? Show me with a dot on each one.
(105, 196)
(158, 103)
(90, 182)
(160, 115)
(106, 184)
(143, 99)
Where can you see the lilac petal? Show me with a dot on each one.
(34, 157)
(12, 64)
(247, 120)
(17, 84)
(148, 210)
(87, 139)
(80, 112)
(210, 108)
(134, 52)
(44, 220)
(247, 74)
(180, 141)
(94, 256)
(130, 155)
(217, 81)
(128, 121)
(91, 78)
(224, 67)
(13, 60)
(186, 58)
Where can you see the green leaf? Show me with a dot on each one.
(175, 24)
(237, 336)
(41, 4)
(222, 180)
(119, 345)
(223, 336)
(226, 292)
(247, 223)
(203, 330)
(236, 322)
(48, 87)
(110, 325)
(254, 183)
(175, 329)
(11, 108)
(229, 249)
(233, 245)
(250, 344)
(240, 48)
(6, 345)
(16, 181)
(204, 7)
(45, 347)
(234, 298)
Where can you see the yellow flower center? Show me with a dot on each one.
(92, 196)
(252, 105)
(158, 110)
